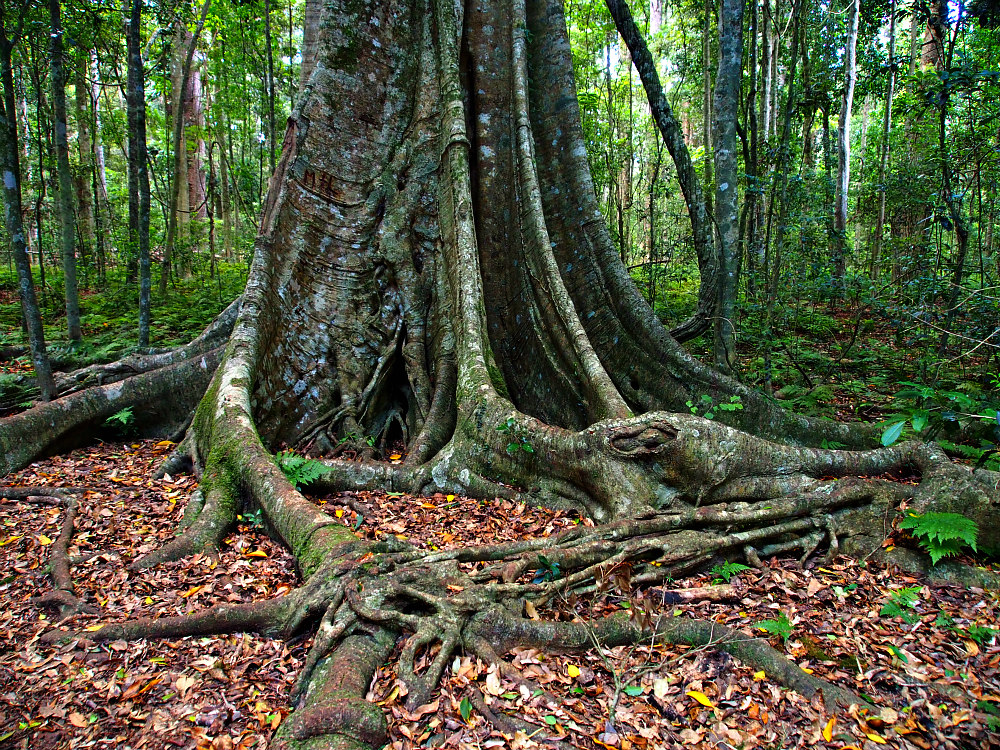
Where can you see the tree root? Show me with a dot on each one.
(62, 599)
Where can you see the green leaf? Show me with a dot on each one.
(465, 708)
(892, 433)
(550, 720)
(513, 447)
(632, 690)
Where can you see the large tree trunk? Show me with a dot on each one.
(432, 268)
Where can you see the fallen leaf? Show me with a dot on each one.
(828, 729)
(701, 698)
(573, 671)
(78, 720)
(44, 540)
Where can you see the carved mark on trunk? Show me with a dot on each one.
(638, 441)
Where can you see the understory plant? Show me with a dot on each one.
(941, 534)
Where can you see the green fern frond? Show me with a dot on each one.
(941, 534)
(300, 470)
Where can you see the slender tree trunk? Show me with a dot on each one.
(86, 206)
(883, 162)
(706, 61)
(138, 170)
(67, 223)
(844, 148)
(951, 199)
(10, 164)
(727, 100)
(179, 150)
(271, 145)
(673, 137)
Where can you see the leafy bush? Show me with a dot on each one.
(300, 470)
(941, 534)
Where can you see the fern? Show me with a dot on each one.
(941, 534)
(727, 570)
(300, 470)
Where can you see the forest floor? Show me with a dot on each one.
(932, 672)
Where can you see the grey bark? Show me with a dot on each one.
(137, 167)
(13, 217)
(67, 211)
(727, 100)
(844, 146)
(883, 162)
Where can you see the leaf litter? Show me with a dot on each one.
(931, 674)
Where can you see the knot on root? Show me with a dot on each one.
(638, 441)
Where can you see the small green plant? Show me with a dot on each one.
(725, 571)
(547, 571)
(781, 626)
(300, 470)
(941, 534)
(255, 519)
(353, 437)
(517, 442)
(710, 407)
(981, 634)
(900, 602)
(121, 420)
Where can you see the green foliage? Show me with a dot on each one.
(121, 420)
(900, 602)
(981, 634)
(518, 442)
(547, 571)
(465, 708)
(941, 534)
(254, 518)
(781, 626)
(726, 570)
(300, 470)
(709, 406)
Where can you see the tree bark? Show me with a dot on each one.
(9, 158)
(138, 174)
(67, 212)
(883, 162)
(727, 100)
(673, 137)
(178, 144)
(844, 147)
(434, 271)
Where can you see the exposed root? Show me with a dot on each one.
(62, 598)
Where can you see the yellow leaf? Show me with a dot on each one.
(428, 506)
(449, 498)
(758, 676)
(875, 738)
(191, 592)
(339, 512)
(573, 671)
(701, 698)
(93, 628)
(828, 729)
(149, 600)
(395, 457)
(256, 553)
(807, 670)
(164, 444)
(5, 542)
(44, 540)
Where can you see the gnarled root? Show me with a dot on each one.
(62, 598)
